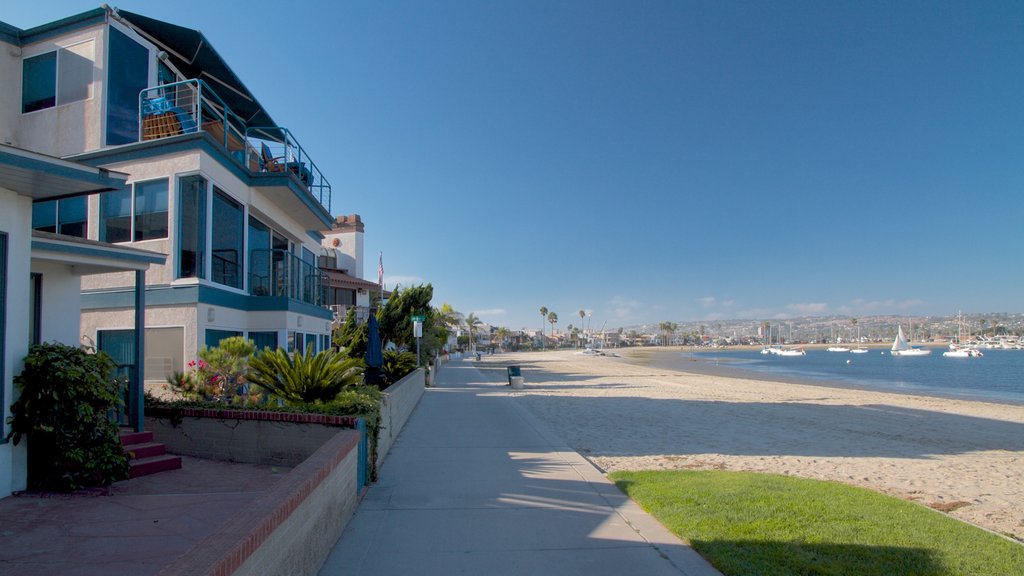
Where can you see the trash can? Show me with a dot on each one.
(513, 371)
(517, 382)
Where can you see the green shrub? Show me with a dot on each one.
(397, 364)
(67, 397)
(305, 378)
(219, 374)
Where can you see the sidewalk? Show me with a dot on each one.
(476, 485)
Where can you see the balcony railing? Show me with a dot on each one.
(281, 273)
(362, 313)
(192, 106)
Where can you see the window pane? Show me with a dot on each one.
(73, 216)
(116, 216)
(264, 340)
(259, 258)
(128, 71)
(150, 210)
(74, 66)
(44, 216)
(227, 240)
(213, 337)
(39, 82)
(192, 231)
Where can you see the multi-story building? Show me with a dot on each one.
(232, 199)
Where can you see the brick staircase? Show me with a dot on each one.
(147, 456)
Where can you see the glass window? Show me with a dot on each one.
(165, 352)
(116, 216)
(150, 210)
(69, 216)
(74, 72)
(120, 344)
(73, 216)
(227, 240)
(128, 74)
(35, 307)
(139, 213)
(39, 82)
(264, 340)
(213, 337)
(192, 228)
(44, 216)
(259, 258)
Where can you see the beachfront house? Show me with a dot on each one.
(41, 275)
(233, 200)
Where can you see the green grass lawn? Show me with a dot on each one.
(747, 523)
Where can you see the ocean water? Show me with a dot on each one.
(998, 376)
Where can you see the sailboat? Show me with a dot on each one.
(860, 349)
(835, 347)
(959, 350)
(901, 348)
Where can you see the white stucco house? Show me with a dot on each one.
(41, 275)
(236, 205)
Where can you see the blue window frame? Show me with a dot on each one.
(69, 216)
(227, 240)
(192, 227)
(136, 214)
(39, 82)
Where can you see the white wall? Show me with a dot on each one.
(15, 220)
(61, 301)
(10, 93)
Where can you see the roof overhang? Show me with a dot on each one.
(43, 177)
(89, 256)
(338, 279)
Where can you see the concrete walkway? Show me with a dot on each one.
(476, 485)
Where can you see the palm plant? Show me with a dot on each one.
(471, 323)
(305, 377)
(543, 318)
(553, 319)
(502, 335)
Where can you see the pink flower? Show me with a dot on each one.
(192, 364)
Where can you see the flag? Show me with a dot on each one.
(380, 270)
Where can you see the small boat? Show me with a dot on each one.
(791, 352)
(962, 352)
(859, 350)
(900, 347)
(838, 349)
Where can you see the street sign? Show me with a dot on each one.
(419, 318)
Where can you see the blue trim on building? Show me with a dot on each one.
(206, 143)
(103, 180)
(201, 294)
(97, 251)
(10, 34)
(316, 235)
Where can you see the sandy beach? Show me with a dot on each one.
(962, 457)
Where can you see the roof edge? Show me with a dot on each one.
(62, 26)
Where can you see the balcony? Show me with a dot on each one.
(192, 106)
(279, 273)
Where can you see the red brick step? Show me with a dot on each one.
(153, 464)
(147, 456)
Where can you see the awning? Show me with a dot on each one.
(195, 57)
(338, 279)
(43, 177)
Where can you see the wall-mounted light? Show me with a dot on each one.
(210, 314)
(300, 321)
(163, 56)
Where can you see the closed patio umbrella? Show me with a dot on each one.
(374, 355)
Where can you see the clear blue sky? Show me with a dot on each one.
(653, 161)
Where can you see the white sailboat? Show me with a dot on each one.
(900, 347)
(860, 349)
(959, 350)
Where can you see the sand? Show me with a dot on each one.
(962, 457)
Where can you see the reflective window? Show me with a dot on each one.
(264, 340)
(116, 216)
(69, 216)
(226, 243)
(192, 228)
(150, 210)
(213, 337)
(259, 258)
(128, 72)
(44, 216)
(39, 82)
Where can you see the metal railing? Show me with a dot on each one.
(279, 151)
(192, 106)
(280, 273)
(362, 313)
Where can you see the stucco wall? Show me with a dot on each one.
(15, 220)
(10, 91)
(60, 303)
(397, 404)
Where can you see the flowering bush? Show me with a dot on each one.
(219, 373)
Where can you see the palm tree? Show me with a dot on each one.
(502, 335)
(543, 318)
(553, 319)
(669, 328)
(471, 322)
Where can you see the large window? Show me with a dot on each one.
(136, 214)
(127, 75)
(57, 78)
(214, 337)
(192, 227)
(69, 216)
(227, 240)
(264, 340)
(259, 258)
